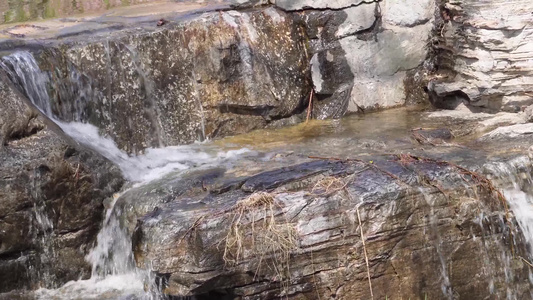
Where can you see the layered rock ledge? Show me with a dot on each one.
(487, 47)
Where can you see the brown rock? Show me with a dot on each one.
(50, 202)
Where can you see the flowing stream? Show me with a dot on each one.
(114, 274)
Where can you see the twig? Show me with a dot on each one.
(364, 250)
(327, 158)
(526, 261)
(193, 226)
(370, 164)
(310, 106)
(364, 244)
(422, 128)
(77, 173)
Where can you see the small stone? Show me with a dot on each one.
(528, 114)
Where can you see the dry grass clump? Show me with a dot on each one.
(256, 232)
(328, 185)
(21, 127)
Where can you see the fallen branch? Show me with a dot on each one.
(368, 164)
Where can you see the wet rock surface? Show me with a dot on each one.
(298, 232)
(370, 220)
(218, 74)
(51, 194)
(208, 74)
(286, 225)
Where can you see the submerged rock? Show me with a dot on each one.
(51, 194)
(419, 228)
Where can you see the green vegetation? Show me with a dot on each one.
(49, 12)
(13, 11)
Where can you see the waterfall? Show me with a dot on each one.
(446, 287)
(23, 69)
(24, 72)
(114, 273)
(514, 179)
(516, 183)
(151, 107)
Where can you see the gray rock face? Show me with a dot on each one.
(490, 51)
(304, 231)
(369, 45)
(51, 194)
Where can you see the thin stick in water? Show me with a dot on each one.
(310, 106)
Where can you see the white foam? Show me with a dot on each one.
(114, 274)
(155, 162)
(522, 206)
(110, 287)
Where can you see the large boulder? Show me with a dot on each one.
(383, 227)
(208, 76)
(51, 198)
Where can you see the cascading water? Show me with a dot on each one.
(151, 107)
(23, 70)
(515, 181)
(517, 186)
(445, 287)
(114, 274)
